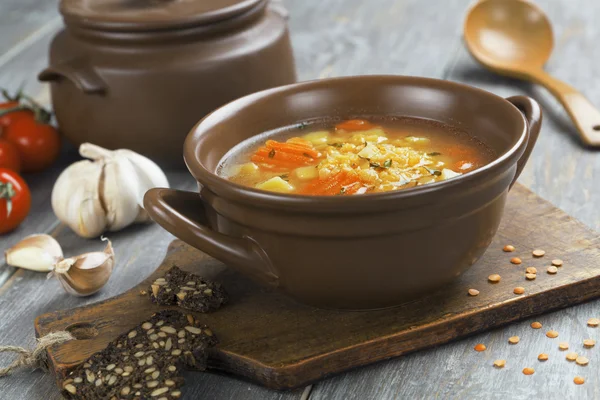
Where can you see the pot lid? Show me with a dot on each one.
(137, 15)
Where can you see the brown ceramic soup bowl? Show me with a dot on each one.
(351, 252)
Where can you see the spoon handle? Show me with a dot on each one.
(581, 111)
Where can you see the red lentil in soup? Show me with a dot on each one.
(354, 157)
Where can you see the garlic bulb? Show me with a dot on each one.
(80, 275)
(105, 192)
(35, 252)
(85, 274)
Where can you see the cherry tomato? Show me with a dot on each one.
(7, 119)
(15, 200)
(9, 156)
(355, 125)
(38, 143)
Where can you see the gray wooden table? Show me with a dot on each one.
(336, 38)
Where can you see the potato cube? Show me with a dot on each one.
(306, 173)
(248, 168)
(317, 138)
(276, 184)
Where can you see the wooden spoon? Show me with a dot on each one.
(514, 38)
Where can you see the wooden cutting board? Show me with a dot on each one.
(281, 344)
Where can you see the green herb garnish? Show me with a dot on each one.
(338, 145)
(386, 164)
(435, 153)
(285, 177)
(272, 153)
(306, 155)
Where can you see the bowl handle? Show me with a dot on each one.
(79, 72)
(532, 112)
(183, 214)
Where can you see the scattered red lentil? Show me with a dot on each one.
(531, 270)
(552, 334)
(563, 345)
(536, 325)
(494, 278)
(530, 277)
(528, 371)
(579, 380)
(581, 360)
(593, 322)
(473, 292)
(499, 363)
(538, 253)
(589, 343)
(557, 263)
(516, 260)
(552, 270)
(519, 290)
(508, 248)
(480, 347)
(543, 357)
(513, 340)
(572, 356)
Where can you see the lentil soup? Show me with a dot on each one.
(354, 157)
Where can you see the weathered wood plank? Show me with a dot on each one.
(15, 71)
(332, 39)
(268, 342)
(353, 37)
(138, 248)
(342, 37)
(27, 27)
(24, 20)
(559, 170)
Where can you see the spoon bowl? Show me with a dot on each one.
(510, 33)
(514, 38)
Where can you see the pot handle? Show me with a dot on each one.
(532, 112)
(79, 72)
(183, 214)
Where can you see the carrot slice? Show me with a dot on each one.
(319, 185)
(290, 158)
(272, 163)
(355, 125)
(293, 148)
(331, 185)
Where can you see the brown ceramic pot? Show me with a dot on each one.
(139, 74)
(358, 252)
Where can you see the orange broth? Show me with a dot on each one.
(354, 157)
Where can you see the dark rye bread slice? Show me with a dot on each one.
(188, 291)
(145, 363)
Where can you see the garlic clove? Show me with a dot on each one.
(119, 193)
(85, 274)
(149, 173)
(37, 252)
(105, 192)
(76, 199)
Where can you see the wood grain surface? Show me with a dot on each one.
(270, 339)
(334, 38)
